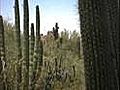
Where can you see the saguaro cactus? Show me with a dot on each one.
(38, 55)
(1, 31)
(32, 44)
(38, 37)
(3, 85)
(18, 44)
(41, 53)
(98, 27)
(1, 68)
(26, 47)
(55, 31)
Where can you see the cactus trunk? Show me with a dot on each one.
(100, 41)
(3, 83)
(18, 44)
(55, 31)
(32, 44)
(26, 47)
(37, 47)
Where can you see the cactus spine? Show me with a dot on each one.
(3, 83)
(32, 44)
(26, 47)
(18, 44)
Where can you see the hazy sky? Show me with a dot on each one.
(51, 11)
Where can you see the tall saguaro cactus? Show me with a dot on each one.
(40, 48)
(1, 40)
(41, 54)
(18, 44)
(38, 37)
(2, 57)
(26, 47)
(113, 42)
(99, 29)
(32, 44)
(37, 47)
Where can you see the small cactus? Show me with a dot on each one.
(78, 47)
(55, 31)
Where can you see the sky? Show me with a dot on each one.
(51, 11)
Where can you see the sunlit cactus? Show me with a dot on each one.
(38, 54)
(32, 44)
(38, 37)
(41, 54)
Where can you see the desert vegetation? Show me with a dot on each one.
(30, 60)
